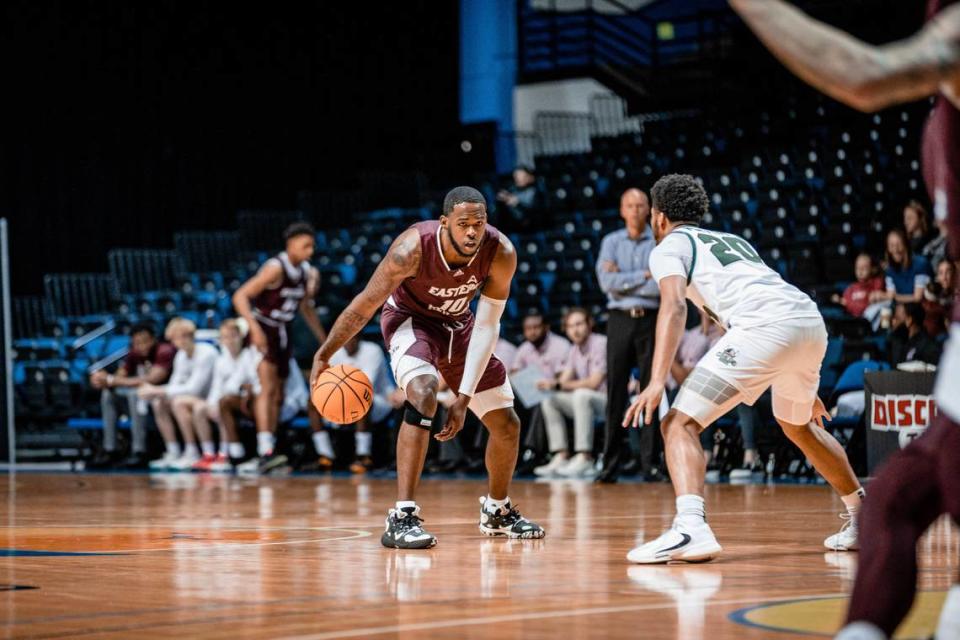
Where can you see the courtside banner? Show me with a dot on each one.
(899, 407)
(901, 411)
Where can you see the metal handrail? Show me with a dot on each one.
(107, 360)
(90, 336)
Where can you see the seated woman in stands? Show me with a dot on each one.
(906, 274)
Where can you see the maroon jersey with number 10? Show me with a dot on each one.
(437, 291)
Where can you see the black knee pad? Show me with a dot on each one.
(414, 417)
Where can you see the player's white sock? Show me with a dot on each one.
(691, 509)
(191, 450)
(949, 626)
(321, 442)
(265, 443)
(495, 505)
(173, 449)
(406, 504)
(853, 501)
(860, 631)
(208, 448)
(364, 441)
(236, 450)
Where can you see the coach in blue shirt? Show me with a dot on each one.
(623, 269)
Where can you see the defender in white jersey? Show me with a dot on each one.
(775, 337)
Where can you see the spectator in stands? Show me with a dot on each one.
(936, 250)
(916, 223)
(580, 393)
(546, 352)
(938, 298)
(908, 341)
(523, 202)
(369, 358)
(623, 269)
(189, 383)
(148, 362)
(506, 351)
(865, 297)
(234, 375)
(541, 347)
(907, 275)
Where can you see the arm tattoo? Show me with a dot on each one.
(401, 262)
(347, 325)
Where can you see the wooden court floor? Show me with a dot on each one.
(185, 556)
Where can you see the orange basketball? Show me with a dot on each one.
(342, 394)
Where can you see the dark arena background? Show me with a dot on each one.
(162, 479)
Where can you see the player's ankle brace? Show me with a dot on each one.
(417, 419)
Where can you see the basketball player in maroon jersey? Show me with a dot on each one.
(269, 301)
(424, 285)
(921, 482)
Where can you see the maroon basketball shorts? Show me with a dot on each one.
(424, 346)
(279, 349)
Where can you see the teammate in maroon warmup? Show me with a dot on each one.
(425, 285)
(921, 482)
(269, 301)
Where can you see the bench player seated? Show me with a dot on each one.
(424, 285)
(775, 337)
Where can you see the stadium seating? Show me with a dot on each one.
(809, 198)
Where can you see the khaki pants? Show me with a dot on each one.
(584, 406)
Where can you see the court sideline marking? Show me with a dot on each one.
(541, 615)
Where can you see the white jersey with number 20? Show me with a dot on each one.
(727, 279)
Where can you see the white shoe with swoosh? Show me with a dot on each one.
(681, 543)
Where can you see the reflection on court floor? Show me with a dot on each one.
(299, 557)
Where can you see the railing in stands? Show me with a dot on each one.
(90, 336)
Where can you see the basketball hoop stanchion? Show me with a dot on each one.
(6, 345)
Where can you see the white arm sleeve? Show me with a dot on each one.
(486, 330)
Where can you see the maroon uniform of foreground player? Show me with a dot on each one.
(269, 301)
(921, 482)
(425, 284)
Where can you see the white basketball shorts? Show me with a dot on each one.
(746, 361)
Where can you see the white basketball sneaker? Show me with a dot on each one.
(579, 466)
(184, 462)
(557, 462)
(847, 538)
(163, 463)
(681, 543)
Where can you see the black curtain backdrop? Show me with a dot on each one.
(125, 122)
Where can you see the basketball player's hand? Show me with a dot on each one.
(455, 417)
(820, 412)
(319, 366)
(258, 338)
(644, 406)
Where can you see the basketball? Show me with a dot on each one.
(342, 394)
